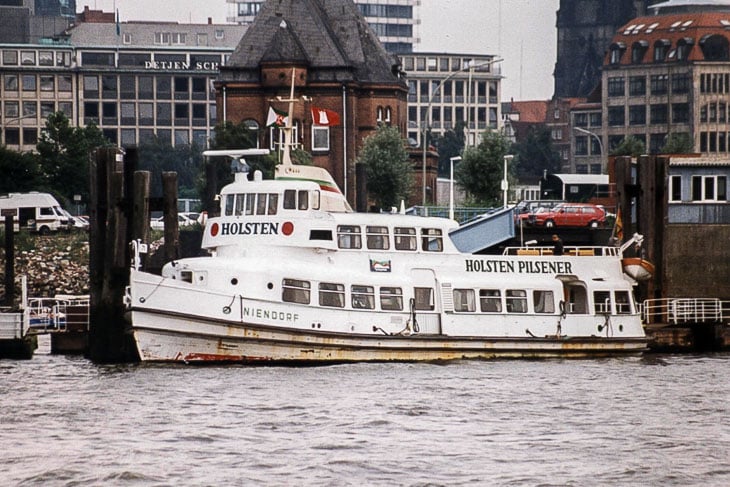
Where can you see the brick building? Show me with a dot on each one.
(339, 64)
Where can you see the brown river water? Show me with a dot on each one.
(656, 420)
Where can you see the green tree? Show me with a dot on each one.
(629, 146)
(230, 135)
(19, 172)
(186, 160)
(64, 155)
(389, 171)
(678, 143)
(450, 145)
(481, 169)
(536, 154)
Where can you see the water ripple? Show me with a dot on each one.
(655, 420)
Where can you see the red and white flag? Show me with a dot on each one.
(323, 116)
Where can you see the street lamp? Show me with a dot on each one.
(588, 132)
(451, 186)
(505, 184)
(426, 123)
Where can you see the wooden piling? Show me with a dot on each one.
(9, 258)
(141, 210)
(109, 259)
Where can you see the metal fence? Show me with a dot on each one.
(685, 310)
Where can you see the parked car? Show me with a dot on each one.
(526, 209)
(39, 212)
(182, 221)
(76, 222)
(571, 215)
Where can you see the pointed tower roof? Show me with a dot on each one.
(330, 37)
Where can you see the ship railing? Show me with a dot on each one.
(58, 314)
(583, 251)
(675, 311)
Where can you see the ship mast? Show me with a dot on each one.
(288, 129)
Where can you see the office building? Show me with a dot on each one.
(446, 88)
(394, 21)
(668, 76)
(585, 29)
(135, 81)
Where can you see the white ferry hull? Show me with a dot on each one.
(169, 338)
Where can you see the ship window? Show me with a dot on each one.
(250, 202)
(273, 203)
(320, 235)
(332, 295)
(431, 240)
(543, 301)
(464, 300)
(391, 298)
(290, 199)
(516, 300)
(363, 297)
(424, 298)
(240, 202)
(186, 276)
(229, 205)
(303, 199)
(295, 291)
(405, 238)
(377, 238)
(623, 303)
(490, 300)
(261, 203)
(602, 302)
(315, 200)
(348, 237)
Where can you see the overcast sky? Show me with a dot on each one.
(520, 31)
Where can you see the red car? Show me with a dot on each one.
(571, 215)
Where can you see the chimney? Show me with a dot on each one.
(210, 20)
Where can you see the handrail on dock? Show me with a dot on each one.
(58, 314)
(684, 310)
(583, 251)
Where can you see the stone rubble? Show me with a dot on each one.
(58, 264)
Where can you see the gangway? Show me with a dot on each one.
(485, 231)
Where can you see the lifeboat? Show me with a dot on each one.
(637, 268)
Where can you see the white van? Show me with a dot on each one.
(38, 212)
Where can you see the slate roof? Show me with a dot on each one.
(324, 35)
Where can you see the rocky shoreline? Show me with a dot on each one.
(54, 264)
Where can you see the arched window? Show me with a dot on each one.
(379, 115)
(617, 51)
(638, 50)
(715, 48)
(388, 115)
(684, 46)
(661, 49)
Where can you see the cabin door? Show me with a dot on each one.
(423, 304)
(575, 298)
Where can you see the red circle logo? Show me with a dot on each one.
(214, 229)
(287, 228)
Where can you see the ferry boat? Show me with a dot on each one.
(295, 276)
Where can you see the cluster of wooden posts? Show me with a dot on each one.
(119, 210)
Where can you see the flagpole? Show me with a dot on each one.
(286, 158)
(344, 138)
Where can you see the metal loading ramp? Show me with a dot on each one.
(484, 231)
